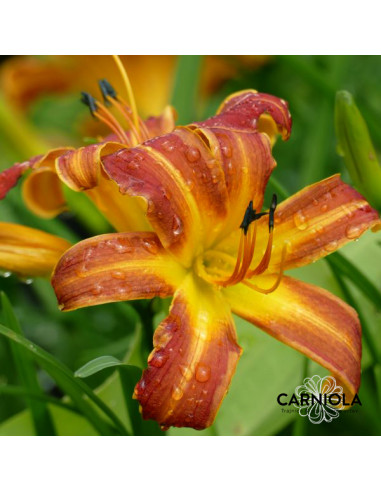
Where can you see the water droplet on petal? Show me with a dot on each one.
(158, 359)
(226, 150)
(177, 225)
(324, 207)
(167, 145)
(300, 221)
(177, 393)
(150, 246)
(353, 231)
(96, 289)
(331, 246)
(186, 372)
(202, 373)
(192, 154)
(118, 274)
(230, 167)
(6, 274)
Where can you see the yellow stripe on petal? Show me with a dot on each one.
(194, 358)
(309, 319)
(115, 267)
(29, 252)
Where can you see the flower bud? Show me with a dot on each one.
(355, 145)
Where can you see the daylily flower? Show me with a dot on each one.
(216, 253)
(30, 252)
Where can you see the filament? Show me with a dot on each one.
(279, 276)
(130, 94)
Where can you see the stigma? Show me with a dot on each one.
(242, 271)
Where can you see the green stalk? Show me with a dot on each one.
(185, 91)
(19, 133)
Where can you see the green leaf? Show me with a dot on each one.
(41, 417)
(184, 96)
(73, 387)
(7, 389)
(96, 365)
(349, 270)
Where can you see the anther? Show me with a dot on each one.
(90, 102)
(247, 218)
(107, 90)
(273, 205)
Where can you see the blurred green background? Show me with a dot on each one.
(40, 108)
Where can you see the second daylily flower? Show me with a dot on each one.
(30, 252)
(216, 253)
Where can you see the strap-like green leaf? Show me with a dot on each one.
(73, 387)
(42, 420)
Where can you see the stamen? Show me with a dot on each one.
(264, 263)
(278, 280)
(130, 94)
(100, 112)
(89, 101)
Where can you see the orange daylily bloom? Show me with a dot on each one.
(216, 253)
(43, 193)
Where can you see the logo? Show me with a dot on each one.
(319, 399)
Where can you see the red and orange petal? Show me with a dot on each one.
(197, 180)
(194, 358)
(309, 319)
(313, 223)
(44, 200)
(115, 267)
(246, 109)
(29, 252)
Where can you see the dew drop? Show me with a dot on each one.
(158, 360)
(202, 373)
(186, 372)
(177, 225)
(26, 281)
(192, 154)
(324, 207)
(118, 274)
(230, 167)
(167, 145)
(331, 246)
(190, 184)
(300, 221)
(96, 289)
(150, 246)
(245, 170)
(353, 232)
(226, 150)
(177, 393)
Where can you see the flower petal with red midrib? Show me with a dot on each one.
(194, 358)
(115, 267)
(309, 319)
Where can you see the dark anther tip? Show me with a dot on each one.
(247, 218)
(273, 205)
(107, 90)
(89, 101)
(274, 202)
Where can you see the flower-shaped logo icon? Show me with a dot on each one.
(320, 399)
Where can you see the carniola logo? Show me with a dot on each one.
(319, 399)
